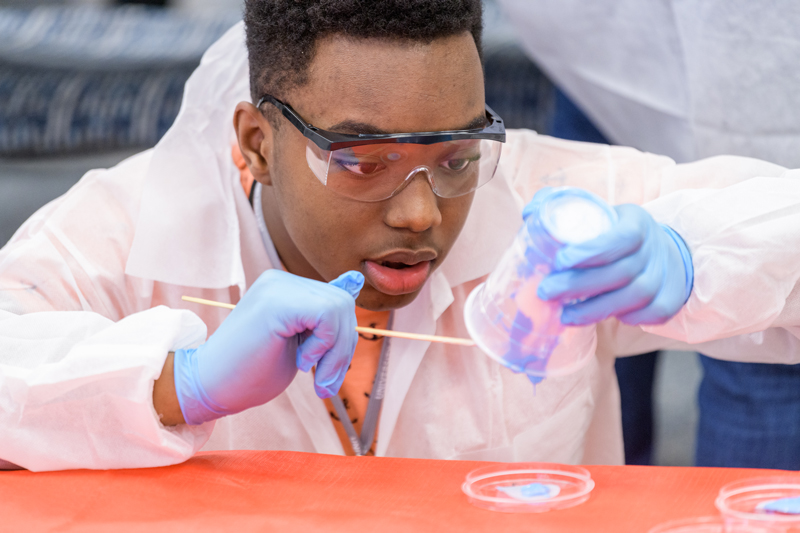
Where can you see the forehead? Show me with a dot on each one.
(396, 86)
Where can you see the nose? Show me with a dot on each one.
(416, 207)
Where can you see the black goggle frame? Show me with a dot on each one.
(330, 141)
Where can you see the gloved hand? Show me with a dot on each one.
(639, 271)
(254, 355)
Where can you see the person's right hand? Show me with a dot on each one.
(254, 355)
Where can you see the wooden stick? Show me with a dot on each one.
(416, 336)
(369, 331)
(212, 303)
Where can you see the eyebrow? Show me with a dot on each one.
(364, 128)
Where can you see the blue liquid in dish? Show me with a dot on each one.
(532, 492)
(781, 506)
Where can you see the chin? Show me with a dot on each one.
(373, 300)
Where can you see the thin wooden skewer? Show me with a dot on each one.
(369, 331)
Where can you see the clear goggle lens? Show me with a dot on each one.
(375, 172)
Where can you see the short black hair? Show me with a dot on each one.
(281, 34)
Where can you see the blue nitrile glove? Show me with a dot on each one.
(639, 271)
(254, 355)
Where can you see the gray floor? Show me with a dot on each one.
(678, 375)
(27, 185)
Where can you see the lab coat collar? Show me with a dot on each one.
(187, 231)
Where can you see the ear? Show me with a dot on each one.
(255, 136)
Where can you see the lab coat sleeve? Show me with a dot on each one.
(76, 389)
(740, 219)
(745, 245)
(80, 347)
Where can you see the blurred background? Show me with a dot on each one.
(86, 83)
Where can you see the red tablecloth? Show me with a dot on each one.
(287, 491)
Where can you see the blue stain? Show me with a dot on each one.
(520, 329)
(534, 489)
(535, 380)
(783, 506)
(531, 492)
(534, 359)
(519, 357)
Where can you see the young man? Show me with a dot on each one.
(96, 370)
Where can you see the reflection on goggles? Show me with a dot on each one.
(371, 160)
(378, 171)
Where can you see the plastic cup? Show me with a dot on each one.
(741, 505)
(504, 316)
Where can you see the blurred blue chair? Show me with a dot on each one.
(90, 79)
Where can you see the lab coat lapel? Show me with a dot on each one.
(406, 355)
(310, 410)
(490, 228)
(493, 221)
(313, 415)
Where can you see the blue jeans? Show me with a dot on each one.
(749, 415)
(570, 123)
(636, 375)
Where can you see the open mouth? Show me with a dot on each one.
(394, 264)
(400, 272)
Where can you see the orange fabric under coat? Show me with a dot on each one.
(247, 491)
(358, 383)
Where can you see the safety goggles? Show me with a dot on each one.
(375, 167)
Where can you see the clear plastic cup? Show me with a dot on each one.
(742, 505)
(505, 317)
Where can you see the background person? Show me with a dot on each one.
(689, 80)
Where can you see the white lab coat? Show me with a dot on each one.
(684, 78)
(90, 302)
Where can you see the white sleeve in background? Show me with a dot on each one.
(740, 218)
(76, 389)
(745, 246)
(685, 78)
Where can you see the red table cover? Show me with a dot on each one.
(289, 491)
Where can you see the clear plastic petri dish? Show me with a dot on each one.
(762, 505)
(528, 487)
(703, 524)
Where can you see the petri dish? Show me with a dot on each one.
(706, 524)
(703, 524)
(528, 487)
(745, 504)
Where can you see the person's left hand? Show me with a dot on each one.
(639, 271)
